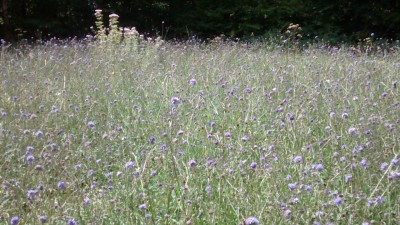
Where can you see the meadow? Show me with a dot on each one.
(186, 132)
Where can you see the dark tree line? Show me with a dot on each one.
(336, 19)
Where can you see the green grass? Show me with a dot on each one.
(275, 103)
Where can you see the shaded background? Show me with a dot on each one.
(337, 20)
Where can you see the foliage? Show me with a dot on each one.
(331, 20)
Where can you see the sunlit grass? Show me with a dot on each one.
(188, 133)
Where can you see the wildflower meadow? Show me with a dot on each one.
(118, 128)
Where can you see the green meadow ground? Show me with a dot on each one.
(188, 133)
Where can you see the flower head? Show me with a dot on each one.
(143, 207)
(90, 124)
(129, 165)
(298, 159)
(192, 163)
(43, 219)
(175, 101)
(251, 221)
(72, 222)
(14, 220)
(61, 185)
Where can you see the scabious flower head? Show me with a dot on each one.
(347, 178)
(345, 116)
(86, 200)
(253, 165)
(227, 134)
(319, 214)
(384, 166)
(43, 219)
(287, 213)
(292, 186)
(72, 222)
(29, 150)
(175, 101)
(319, 167)
(298, 159)
(61, 185)
(251, 221)
(14, 220)
(39, 133)
(142, 207)
(129, 165)
(152, 139)
(364, 163)
(352, 131)
(30, 158)
(192, 81)
(338, 201)
(192, 163)
(32, 193)
(90, 124)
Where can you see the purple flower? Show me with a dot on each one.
(61, 185)
(364, 163)
(338, 201)
(129, 165)
(152, 139)
(352, 131)
(14, 220)
(332, 115)
(298, 159)
(308, 188)
(153, 173)
(72, 222)
(287, 213)
(384, 166)
(343, 159)
(251, 221)
(319, 167)
(319, 214)
(253, 165)
(180, 132)
(347, 178)
(39, 133)
(43, 219)
(227, 134)
(394, 175)
(86, 200)
(345, 116)
(30, 159)
(175, 100)
(208, 190)
(193, 82)
(192, 163)
(29, 150)
(90, 124)
(292, 186)
(212, 124)
(143, 207)
(395, 161)
(32, 193)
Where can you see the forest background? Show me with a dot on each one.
(333, 21)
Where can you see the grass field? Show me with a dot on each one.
(188, 133)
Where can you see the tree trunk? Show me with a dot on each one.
(6, 30)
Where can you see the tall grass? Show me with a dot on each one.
(188, 133)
